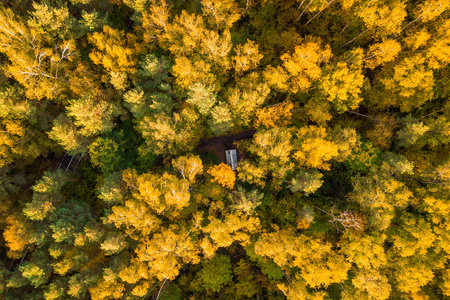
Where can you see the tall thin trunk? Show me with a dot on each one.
(329, 3)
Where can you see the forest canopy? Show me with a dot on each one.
(116, 114)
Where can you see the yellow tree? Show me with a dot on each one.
(41, 70)
(319, 265)
(379, 195)
(303, 65)
(221, 14)
(252, 173)
(68, 135)
(366, 251)
(223, 175)
(246, 58)
(177, 191)
(445, 286)
(272, 145)
(384, 17)
(170, 134)
(166, 252)
(278, 115)
(115, 50)
(202, 97)
(315, 150)
(189, 72)
(188, 166)
(410, 81)
(276, 77)
(437, 53)
(412, 273)
(369, 284)
(92, 116)
(413, 235)
(341, 85)
(222, 232)
(245, 98)
(134, 218)
(184, 35)
(155, 20)
(297, 289)
(417, 39)
(380, 53)
(216, 47)
(17, 235)
(428, 10)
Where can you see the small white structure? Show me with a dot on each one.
(231, 158)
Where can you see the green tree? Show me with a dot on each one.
(216, 273)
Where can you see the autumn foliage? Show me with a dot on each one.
(223, 175)
(115, 116)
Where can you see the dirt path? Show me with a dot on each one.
(222, 143)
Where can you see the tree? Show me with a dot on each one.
(366, 251)
(272, 145)
(216, 48)
(104, 154)
(275, 115)
(314, 150)
(342, 85)
(93, 21)
(113, 243)
(166, 252)
(155, 20)
(244, 99)
(177, 194)
(189, 72)
(414, 235)
(297, 289)
(164, 134)
(246, 58)
(379, 195)
(216, 273)
(68, 135)
(234, 226)
(411, 131)
(119, 80)
(303, 65)
(223, 175)
(245, 201)
(202, 97)
(222, 14)
(251, 173)
(429, 10)
(371, 284)
(47, 194)
(319, 265)
(16, 235)
(188, 166)
(115, 50)
(411, 81)
(410, 274)
(307, 182)
(41, 70)
(221, 120)
(54, 21)
(276, 77)
(37, 270)
(380, 17)
(440, 45)
(380, 53)
(445, 286)
(93, 116)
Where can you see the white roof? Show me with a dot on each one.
(231, 158)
